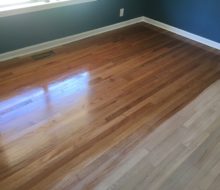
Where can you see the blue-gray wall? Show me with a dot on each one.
(28, 29)
(201, 17)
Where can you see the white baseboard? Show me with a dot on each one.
(183, 33)
(62, 41)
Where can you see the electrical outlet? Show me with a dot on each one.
(122, 12)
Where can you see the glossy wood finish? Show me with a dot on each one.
(71, 120)
(181, 154)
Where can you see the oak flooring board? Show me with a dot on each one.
(111, 112)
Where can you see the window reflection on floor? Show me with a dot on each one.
(46, 99)
(36, 104)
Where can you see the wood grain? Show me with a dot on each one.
(104, 113)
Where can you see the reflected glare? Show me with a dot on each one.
(47, 99)
(71, 85)
(9, 103)
(68, 93)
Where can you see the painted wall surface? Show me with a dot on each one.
(32, 28)
(201, 17)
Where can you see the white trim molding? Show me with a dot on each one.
(69, 39)
(183, 33)
(62, 41)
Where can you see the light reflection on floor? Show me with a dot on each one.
(34, 104)
(46, 99)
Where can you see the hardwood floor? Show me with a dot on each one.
(135, 108)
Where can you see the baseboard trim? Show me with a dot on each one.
(183, 33)
(62, 41)
(69, 39)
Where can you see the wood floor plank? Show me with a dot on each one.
(133, 108)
